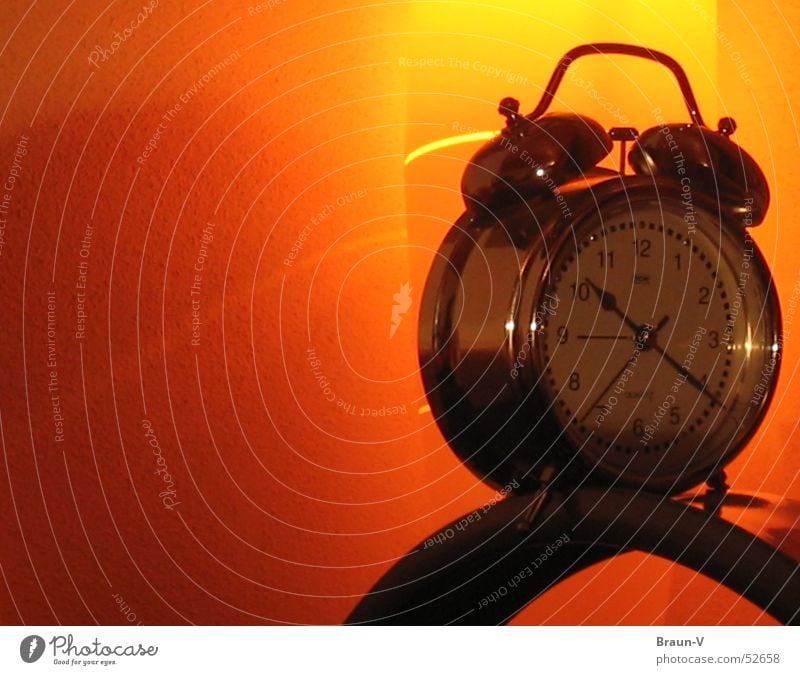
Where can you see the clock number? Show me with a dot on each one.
(563, 334)
(674, 415)
(638, 427)
(713, 339)
(574, 381)
(705, 294)
(582, 291)
(604, 257)
(642, 247)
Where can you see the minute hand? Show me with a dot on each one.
(609, 302)
(691, 379)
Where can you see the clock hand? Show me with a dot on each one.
(603, 393)
(623, 337)
(643, 332)
(609, 302)
(660, 324)
(691, 379)
(651, 336)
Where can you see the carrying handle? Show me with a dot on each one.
(618, 48)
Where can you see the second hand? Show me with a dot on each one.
(603, 393)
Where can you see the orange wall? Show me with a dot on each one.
(290, 504)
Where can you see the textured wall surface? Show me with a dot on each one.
(209, 411)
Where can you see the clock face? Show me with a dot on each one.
(657, 341)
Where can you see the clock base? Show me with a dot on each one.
(488, 572)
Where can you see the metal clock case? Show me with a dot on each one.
(581, 324)
(599, 340)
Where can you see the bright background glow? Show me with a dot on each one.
(292, 505)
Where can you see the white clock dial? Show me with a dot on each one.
(643, 360)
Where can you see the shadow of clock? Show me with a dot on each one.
(789, 540)
(740, 499)
(769, 516)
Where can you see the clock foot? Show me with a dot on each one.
(717, 490)
(539, 499)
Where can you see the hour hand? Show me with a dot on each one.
(609, 302)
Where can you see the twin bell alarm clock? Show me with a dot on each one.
(582, 325)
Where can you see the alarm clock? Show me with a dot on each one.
(583, 325)
(596, 339)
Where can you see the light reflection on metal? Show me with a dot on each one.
(448, 142)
